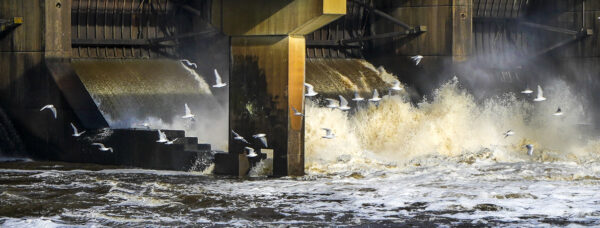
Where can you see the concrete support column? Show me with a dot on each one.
(268, 54)
(462, 29)
(267, 78)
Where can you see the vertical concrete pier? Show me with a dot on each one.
(268, 54)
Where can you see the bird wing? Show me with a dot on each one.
(162, 136)
(558, 110)
(331, 101)
(375, 93)
(218, 77)
(187, 110)
(74, 129)
(98, 144)
(343, 101)
(236, 134)
(309, 86)
(250, 149)
(264, 141)
(540, 91)
(53, 109)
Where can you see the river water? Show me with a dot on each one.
(443, 162)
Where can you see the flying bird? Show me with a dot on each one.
(188, 113)
(529, 149)
(238, 137)
(188, 63)
(296, 113)
(219, 83)
(558, 112)
(417, 59)
(251, 153)
(357, 97)
(343, 104)
(310, 90)
(332, 103)
(262, 137)
(76, 132)
(527, 91)
(102, 147)
(508, 133)
(51, 108)
(375, 97)
(144, 124)
(162, 137)
(328, 134)
(540, 95)
(396, 86)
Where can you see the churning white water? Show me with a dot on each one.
(452, 126)
(442, 162)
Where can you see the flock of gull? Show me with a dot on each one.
(539, 97)
(162, 137)
(310, 92)
(343, 104)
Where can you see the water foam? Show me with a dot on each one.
(452, 125)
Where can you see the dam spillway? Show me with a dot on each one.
(117, 64)
(486, 113)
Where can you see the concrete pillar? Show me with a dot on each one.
(462, 29)
(267, 73)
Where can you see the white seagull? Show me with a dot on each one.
(218, 81)
(172, 141)
(310, 90)
(328, 134)
(343, 104)
(296, 113)
(188, 113)
(102, 147)
(396, 86)
(375, 97)
(558, 112)
(251, 152)
(508, 133)
(262, 137)
(144, 124)
(238, 137)
(357, 97)
(540, 95)
(332, 103)
(51, 107)
(417, 59)
(162, 137)
(529, 149)
(188, 63)
(527, 91)
(76, 133)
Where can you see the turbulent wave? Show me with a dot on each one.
(451, 126)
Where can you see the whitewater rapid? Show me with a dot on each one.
(452, 125)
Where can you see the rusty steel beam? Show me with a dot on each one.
(181, 36)
(383, 15)
(580, 35)
(111, 42)
(522, 22)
